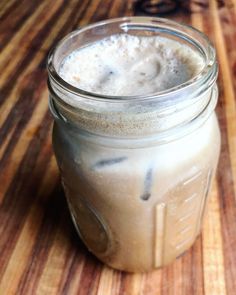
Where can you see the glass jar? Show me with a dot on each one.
(136, 170)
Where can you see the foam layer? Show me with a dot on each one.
(130, 65)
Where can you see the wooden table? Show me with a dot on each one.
(40, 252)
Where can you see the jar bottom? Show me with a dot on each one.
(109, 263)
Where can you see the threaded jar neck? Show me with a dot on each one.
(140, 115)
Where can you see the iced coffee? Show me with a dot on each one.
(135, 137)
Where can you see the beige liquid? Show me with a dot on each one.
(136, 208)
(131, 223)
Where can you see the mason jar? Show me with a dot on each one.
(136, 170)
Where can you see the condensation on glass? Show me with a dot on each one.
(137, 170)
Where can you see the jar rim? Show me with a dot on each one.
(207, 73)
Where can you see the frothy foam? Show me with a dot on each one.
(124, 65)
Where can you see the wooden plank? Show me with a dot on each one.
(213, 256)
(40, 252)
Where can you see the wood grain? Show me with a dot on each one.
(40, 252)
